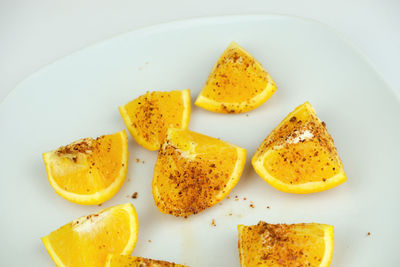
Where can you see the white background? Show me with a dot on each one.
(34, 33)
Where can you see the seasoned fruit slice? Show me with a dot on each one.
(89, 171)
(194, 172)
(149, 116)
(304, 244)
(88, 240)
(132, 261)
(299, 155)
(237, 83)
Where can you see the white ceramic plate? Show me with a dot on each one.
(78, 97)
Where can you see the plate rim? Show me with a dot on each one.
(208, 19)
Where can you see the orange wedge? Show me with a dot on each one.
(149, 116)
(89, 171)
(299, 155)
(269, 245)
(194, 172)
(132, 261)
(237, 83)
(88, 240)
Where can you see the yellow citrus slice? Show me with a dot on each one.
(88, 240)
(194, 172)
(237, 83)
(304, 244)
(89, 171)
(132, 261)
(299, 155)
(149, 116)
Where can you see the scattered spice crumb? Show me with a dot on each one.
(251, 205)
(268, 207)
(213, 222)
(247, 115)
(228, 197)
(137, 160)
(230, 214)
(134, 195)
(149, 241)
(143, 161)
(244, 198)
(369, 233)
(99, 205)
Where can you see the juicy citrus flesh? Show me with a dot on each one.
(294, 245)
(149, 116)
(89, 171)
(88, 240)
(194, 172)
(299, 156)
(237, 83)
(132, 261)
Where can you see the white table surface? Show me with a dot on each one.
(34, 33)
